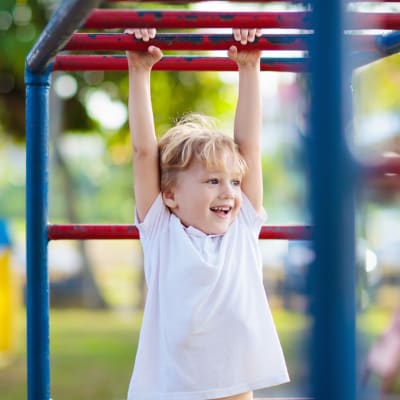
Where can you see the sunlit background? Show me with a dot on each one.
(97, 289)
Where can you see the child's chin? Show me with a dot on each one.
(218, 231)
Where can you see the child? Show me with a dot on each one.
(207, 330)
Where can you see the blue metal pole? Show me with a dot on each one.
(37, 288)
(332, 276)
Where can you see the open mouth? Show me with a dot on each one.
(222, 210)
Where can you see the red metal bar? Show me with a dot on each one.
(198, 1)
(86, 232)
(112, 19)
(388, 166)
(361, 20)
(176, 41)
(119, 63)
(241, 1)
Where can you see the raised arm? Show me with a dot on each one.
(141, 123)
(247, 127)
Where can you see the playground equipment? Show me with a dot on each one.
(333, 172)
(6, 293)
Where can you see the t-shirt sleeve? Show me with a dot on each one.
(152, 223)
(251, 218)
(150, 230)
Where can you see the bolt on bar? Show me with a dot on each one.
(175, 63)
(68, 17)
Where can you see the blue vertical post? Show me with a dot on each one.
(37, 290)
(68, 16)
(332, 276)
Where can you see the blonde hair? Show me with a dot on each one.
(195, 137)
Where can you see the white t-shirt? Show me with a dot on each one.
(207, 330)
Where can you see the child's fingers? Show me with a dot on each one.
(237, 35)
(232, 52)
(138, 34)
(148, 34)
(155, 52)
(152, 33)
(144, 34)
(251, 35)
(246, 35)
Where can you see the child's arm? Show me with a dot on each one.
(247, 128)
(141, 123)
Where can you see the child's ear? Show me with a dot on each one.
(169, 199)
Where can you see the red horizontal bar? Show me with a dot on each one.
(119, 63)
(112, 19)
(86, 232)
(366, 20)
(242, 1)
(378, 169)
(179, 41)
(199, 1)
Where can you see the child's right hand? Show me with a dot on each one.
(245, 36)
(245, 58)
(143, 60)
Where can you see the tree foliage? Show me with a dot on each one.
(20, 25)
(173, 93)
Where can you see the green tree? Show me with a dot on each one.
(20, 25)
(173, 94)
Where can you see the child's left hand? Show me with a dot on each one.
(245, 58)
(143, 60)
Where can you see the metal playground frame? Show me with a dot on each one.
(330, 56)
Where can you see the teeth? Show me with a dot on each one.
(224, 209)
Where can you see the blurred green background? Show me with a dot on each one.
(97, 289)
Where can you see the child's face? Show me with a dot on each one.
(208, 200)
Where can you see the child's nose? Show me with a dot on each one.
(226, 190)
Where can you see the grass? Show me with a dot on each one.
(92, 353)
(92, 356)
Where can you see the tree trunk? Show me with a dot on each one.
(90, 293)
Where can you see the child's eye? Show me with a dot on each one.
(213, 181)
(236, 182)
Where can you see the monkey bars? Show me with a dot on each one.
(176, 63)
(82, 232)
(119, 18)
(65, 20)
(365, 48)
(333, 172)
